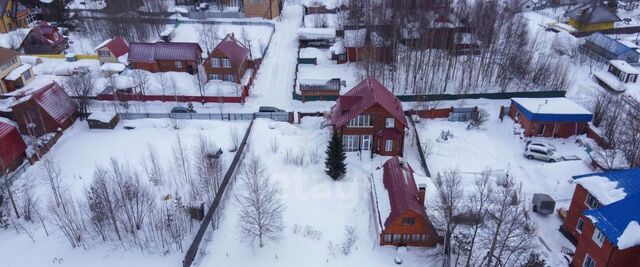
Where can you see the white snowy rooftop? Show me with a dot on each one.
(603, 189)
(624, 66)
(558, 105)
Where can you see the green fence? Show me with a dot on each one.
(441, 97)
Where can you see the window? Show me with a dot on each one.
(214, 76)
(588, 262)
(580, 225)
(215, 62)
(388, 145)
(390, 123)
(387, 238)
(178, 64)
(350, 142)
(408, 221)
(26, 75)
(592, 202)
(361, 121)
(396, 237)
(226, 63)
(8, 64)
(598, 237)
(103, 53)
(231, 78)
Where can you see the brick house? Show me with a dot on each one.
(163, 56)
(14, 15)
(44, 39)
(267, 9)
(13, 73)
(370, 118)
(228, 61)
(46, 110)
(550, 117)
(601, 219)
(112, 51)
(401, 216)
(12, 147)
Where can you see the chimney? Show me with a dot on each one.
(422, 191)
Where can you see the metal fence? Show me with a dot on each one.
(442, 97)
(193, 248)
(423, 159)
(276, 116)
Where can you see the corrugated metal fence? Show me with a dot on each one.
(276, 116)
(442, 97)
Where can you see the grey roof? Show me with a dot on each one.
(592, 13)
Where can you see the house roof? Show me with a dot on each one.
(402, 189)
(7, 54)
(558, 109)
(609, 44)
(17, 8)
(54, 101)
(11, 143)
(151, 52)
(48, 34)
(614, 218)
(628, 180)
(591, 13)
(363, 96)
(233, 49)
(624, 66)
(117, 46)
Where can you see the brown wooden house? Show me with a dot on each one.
(267, 9)
(14, 15)
(361, 44)
(112, 50)
(370, 118)
(13, 73)
(228, 61)
(163, 56)
(44, 39)
(401, 215)
(46, 110)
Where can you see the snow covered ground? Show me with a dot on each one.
(257, 35)
(327, 69)
(312, 200)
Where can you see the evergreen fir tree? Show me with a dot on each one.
(334, 164)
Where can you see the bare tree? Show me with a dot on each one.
(599, 105)
(209, 167)
(81, 86)
(152, 167)
(141, 80)
(478, 203)
(68, 218)
(53, 174)
(260, 205)
(449, 204)
(208, 35)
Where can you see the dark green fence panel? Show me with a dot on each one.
(442, 97)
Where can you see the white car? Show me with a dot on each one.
(541, 151)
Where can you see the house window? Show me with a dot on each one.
(592, 202)
(231, 78)
(390, 123)
(588, 262)
(350, 142)
(226, 63)
(103, 53)
(26, 75)
(214, 76)
(8, 64)
(396, 237)
(361, 121)
(178, 64)
(388, 145)
(598, 237)
(215, 62)
(408, 221)
(580, 225)
(387, 237)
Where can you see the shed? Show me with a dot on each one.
(46, 110)
(550, 117)
(111, 50)
(610, 49)
(103, 120)
(592, 16)
(12, 147)
(316, 37)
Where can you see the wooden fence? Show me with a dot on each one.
(193, 248)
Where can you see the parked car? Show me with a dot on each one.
(543, 203)
(182, 110)
(270, 109)
(541, 151)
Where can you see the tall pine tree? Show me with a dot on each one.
(334, 164)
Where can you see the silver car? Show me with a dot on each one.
(541, 151)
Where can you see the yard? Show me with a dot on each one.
(326, 69)
(495, 147)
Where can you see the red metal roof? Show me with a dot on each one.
(402, 188)
(363, 96)
(117, 46)
(11, 144)
(233, 49)
(48, 34)
(151, 52)
(55, 101)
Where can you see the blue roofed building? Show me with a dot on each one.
(608, 48)
(604, 219)
(550, 117)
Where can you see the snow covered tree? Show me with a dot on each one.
(335, 166)
(260, 205)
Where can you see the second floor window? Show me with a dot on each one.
(598, 237)
(8, 64)
(579, 225)
(390, 123)
(231, 78)
(226, 63)
(408, 221)
(178, 64)
(361, 121)
(103, 53)
(215, 62)
(592, 202)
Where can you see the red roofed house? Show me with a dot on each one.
(12, 147)
(44, 111)
(163, 56)
(44, 39)
(228, 61)
(401, 213)
(110, 51)
(370, 117)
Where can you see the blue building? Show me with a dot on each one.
(609, 48)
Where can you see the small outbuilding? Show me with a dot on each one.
(618, 74)
(593, 16)
(610, 49)
(12, 147)
(113, 50)
(103, 120)
(550, 117)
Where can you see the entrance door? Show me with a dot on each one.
(366, 142)
(541, 129)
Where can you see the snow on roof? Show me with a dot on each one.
(102, 116)
(17, 72)
(630, 236)
(592, 13)
(337, 48)
(117, 46)
(31, 60)
(102, 44)
(609, 44)
(382, 197)
(557, 109)
(402, 190)
(151, 52)
(5, 104)
(624, 66)
(236, 51)
(603, 189)
(355, 38)
(316, 33)
(246, 77)
(611, 80)
(112, 67)
(123, 82)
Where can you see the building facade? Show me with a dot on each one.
(228, 61)
(112, 51)
(163, 57)
(44, 39)
(14, 15)
(549, 117)
(45, 110)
